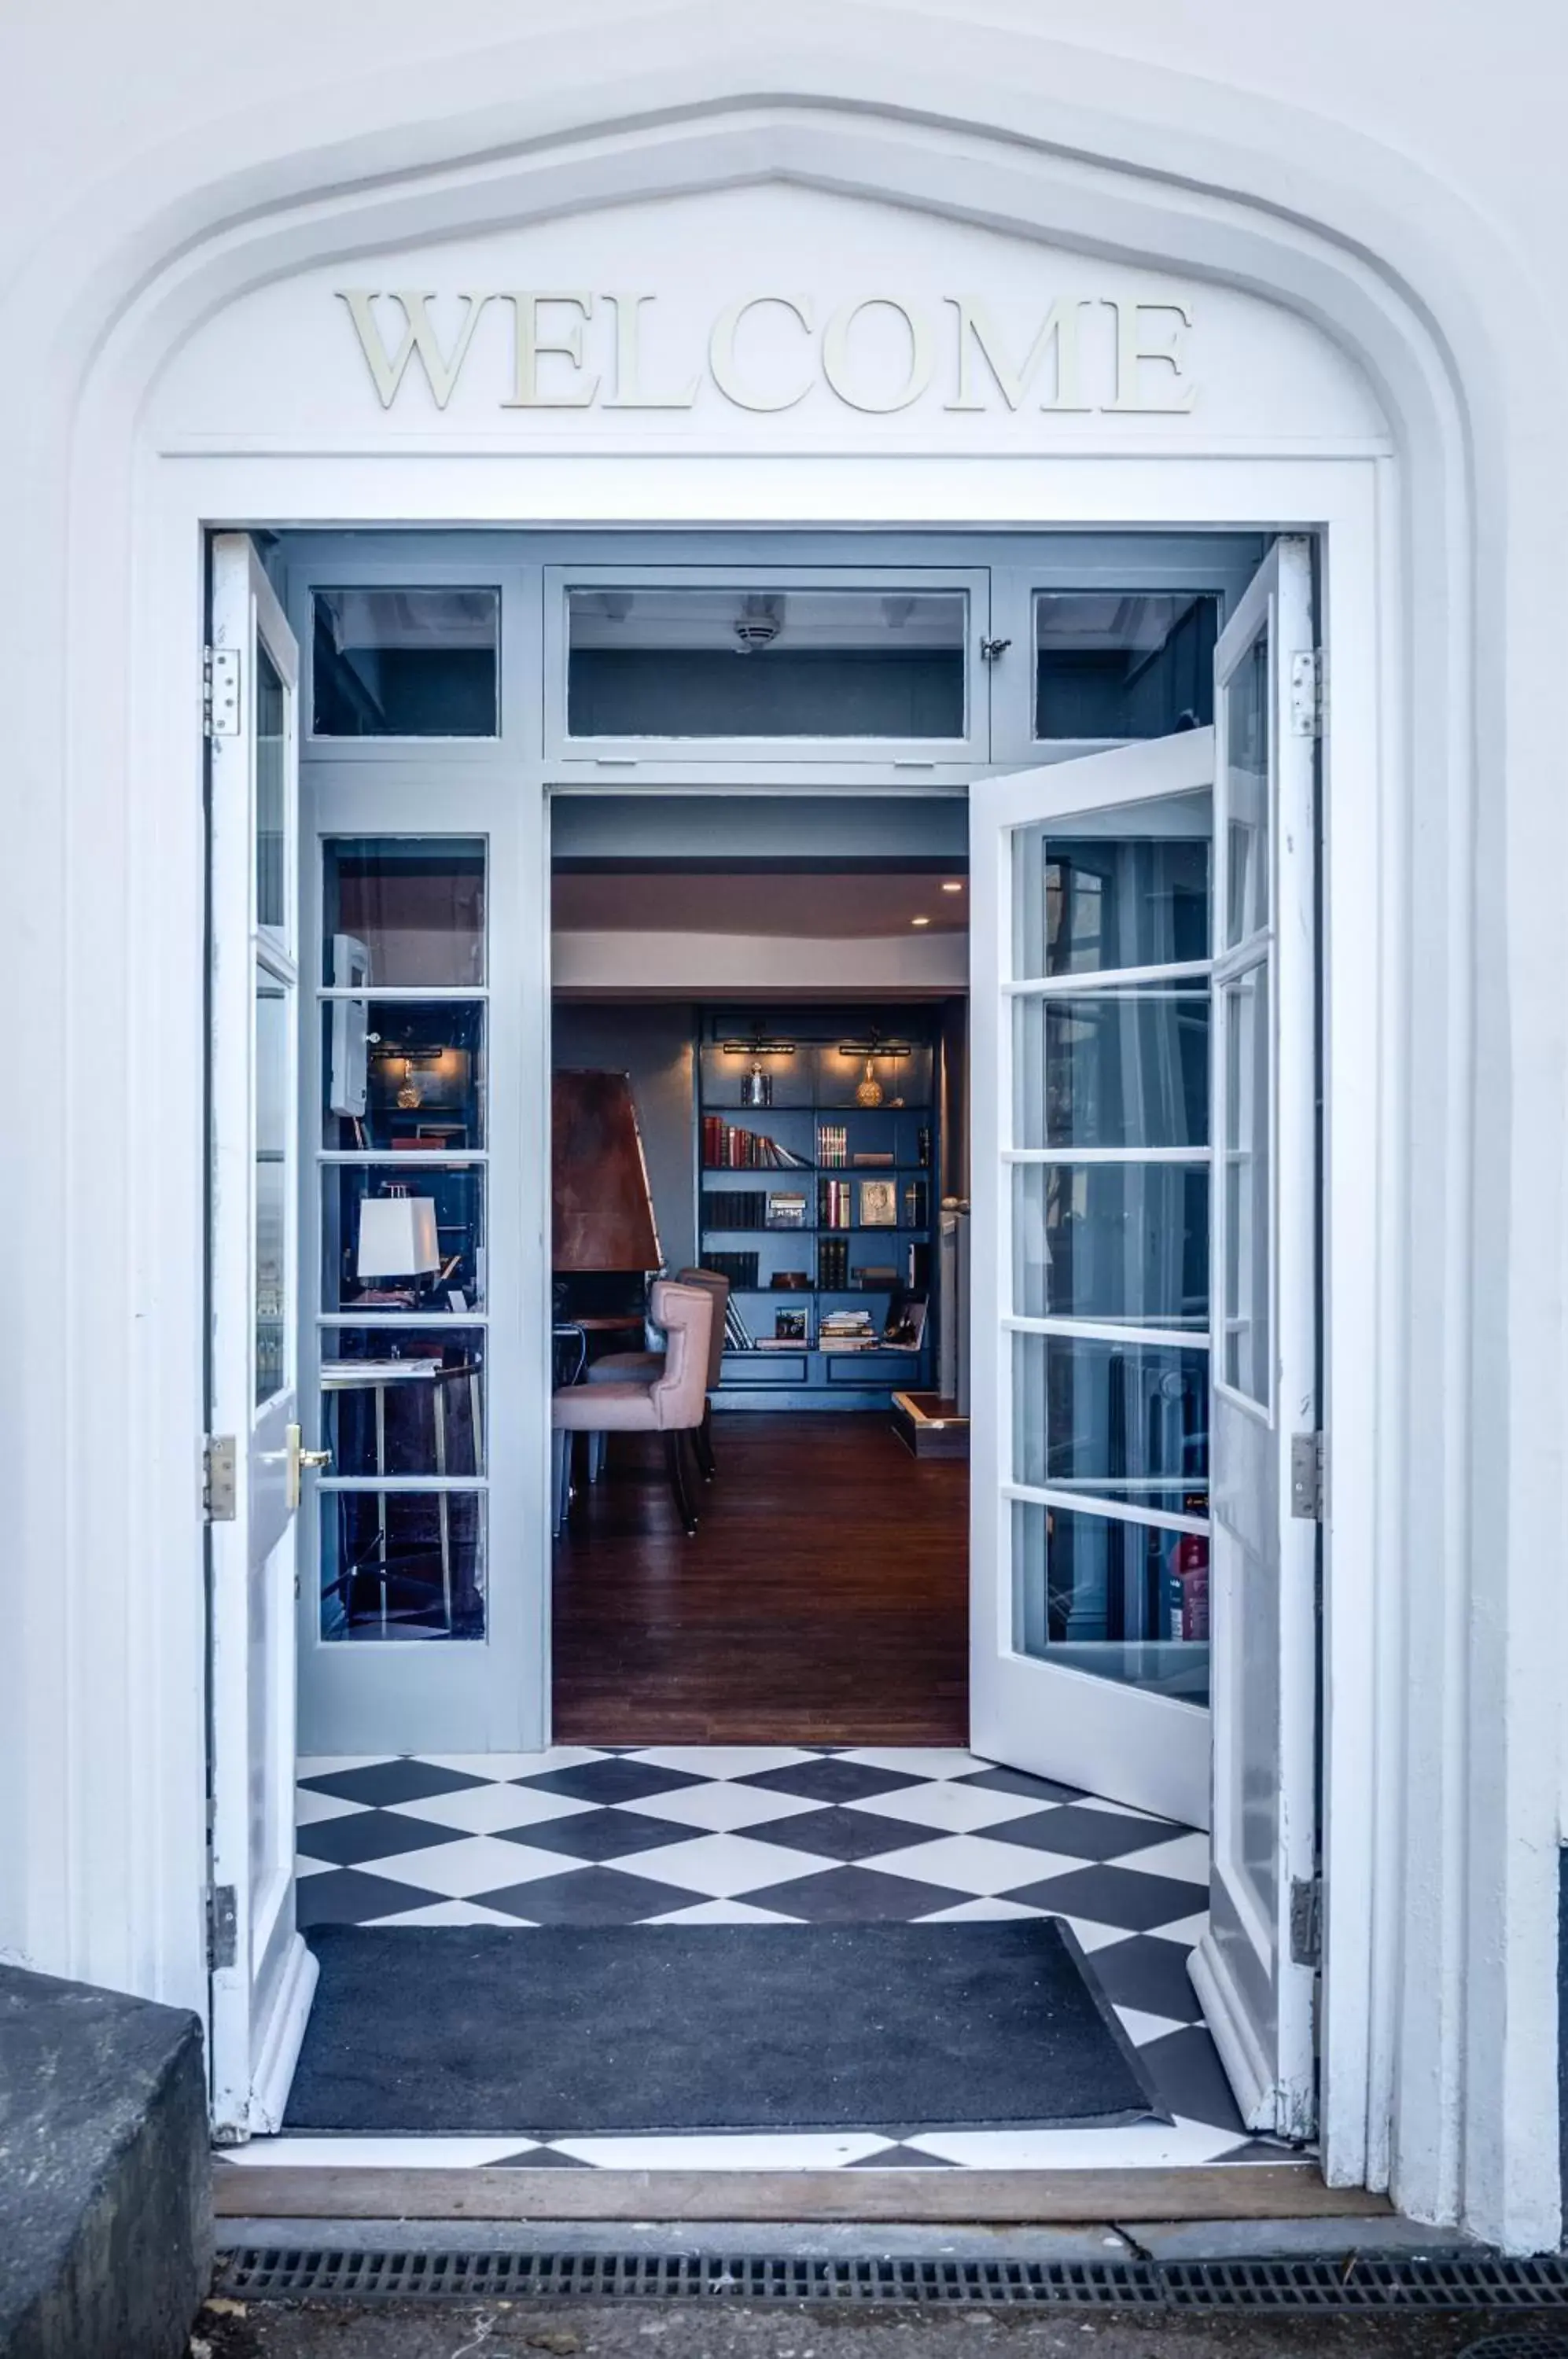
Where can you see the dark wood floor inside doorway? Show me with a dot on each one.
(823, 1601)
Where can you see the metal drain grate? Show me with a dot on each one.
(1454, 2281)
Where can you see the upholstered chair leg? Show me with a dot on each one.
(674, 1459)
(703, 1444)
(560, 1469)
(595, 1456)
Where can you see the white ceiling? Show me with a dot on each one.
(819, 904)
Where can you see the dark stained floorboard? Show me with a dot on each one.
(823, 1601)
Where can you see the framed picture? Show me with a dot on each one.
(878, 1205)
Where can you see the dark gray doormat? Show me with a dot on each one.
(444, 2030)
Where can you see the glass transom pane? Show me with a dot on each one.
(405, 663)
(723, 663)
(1123, 664)
(408, 1401)
(403, 1075)
(402, 1565)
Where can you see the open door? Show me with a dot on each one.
(262, 1974)
(1255, 1968)
(1144, 1303)
(1090, 990)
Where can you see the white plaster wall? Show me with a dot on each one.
(1403, 169)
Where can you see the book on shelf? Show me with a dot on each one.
(876, 1275)
(917, 1264)
(833, 1263)
(906, 1326)
(734, 1208)
(738, 1335)
(835, 1204)
(917, 1204)
(833, 1143)
(787, 1212)
(846, 1331)
(728, 1147)
(740, 1268)
(876, 1160)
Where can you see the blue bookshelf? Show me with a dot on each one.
(820, 1209)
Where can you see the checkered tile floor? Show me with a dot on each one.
(771, 1835)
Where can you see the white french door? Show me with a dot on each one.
(1143, 981)
(1090, 939)
(1255, 1967)
(262, 1973)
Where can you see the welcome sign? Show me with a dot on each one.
(580, 349)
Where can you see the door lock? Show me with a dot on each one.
(299, 1459)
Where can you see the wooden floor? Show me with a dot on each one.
(823, 1601)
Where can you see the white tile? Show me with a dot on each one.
(723, 1912)
(332, 1765)
(449, 1912)
(719, 1807)
(312, 1810)
(505, 1765)
(1141, 2146)
(1092, 1936)
(487, 1810)
(1188, 1932)
(920, 1761)
(980, 1912)
(481, 1864)
(293, 2151)
(1187, 1857)
(748, 2151)
(969, 1864)
(1141, 2029)
(303, 1866)
(951, 1810)
(722, 1866)
(722, 1760)
(558, 1756)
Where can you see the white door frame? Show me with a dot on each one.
(1341, 497)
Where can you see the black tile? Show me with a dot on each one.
(344, 1896)
(840, 1833)
(830, 1779)
(594, 1896)
(897, 2157)
(393, 1781)
(1079, 1832)
(618, 1780)
(1186, 2077)
(856, 1896)
(1149, 1974)
(596, 1835)
(540, 2157)
(1116, 1895)
(1018, 1781)
(371, 1834)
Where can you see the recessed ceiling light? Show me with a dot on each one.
(953, 885)
(920, 921)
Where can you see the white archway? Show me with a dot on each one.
(1464, 2010)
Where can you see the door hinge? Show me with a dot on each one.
(1308, 694)
(221, 691)
(220, 1478)
(223, 1927)
(1306, 1920)
(1307, 1476)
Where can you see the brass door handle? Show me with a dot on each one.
(299, 1459)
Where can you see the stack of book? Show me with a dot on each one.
(833, 1265)
(787, 1212)
(835, 1204)
(846, 1331)
(833, 1143)
(726, 1148)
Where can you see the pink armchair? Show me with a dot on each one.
(673, 1402)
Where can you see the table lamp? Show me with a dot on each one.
(397, 1238)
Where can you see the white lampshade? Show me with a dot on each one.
(398, 1236)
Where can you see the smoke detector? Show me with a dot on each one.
(756, 626)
